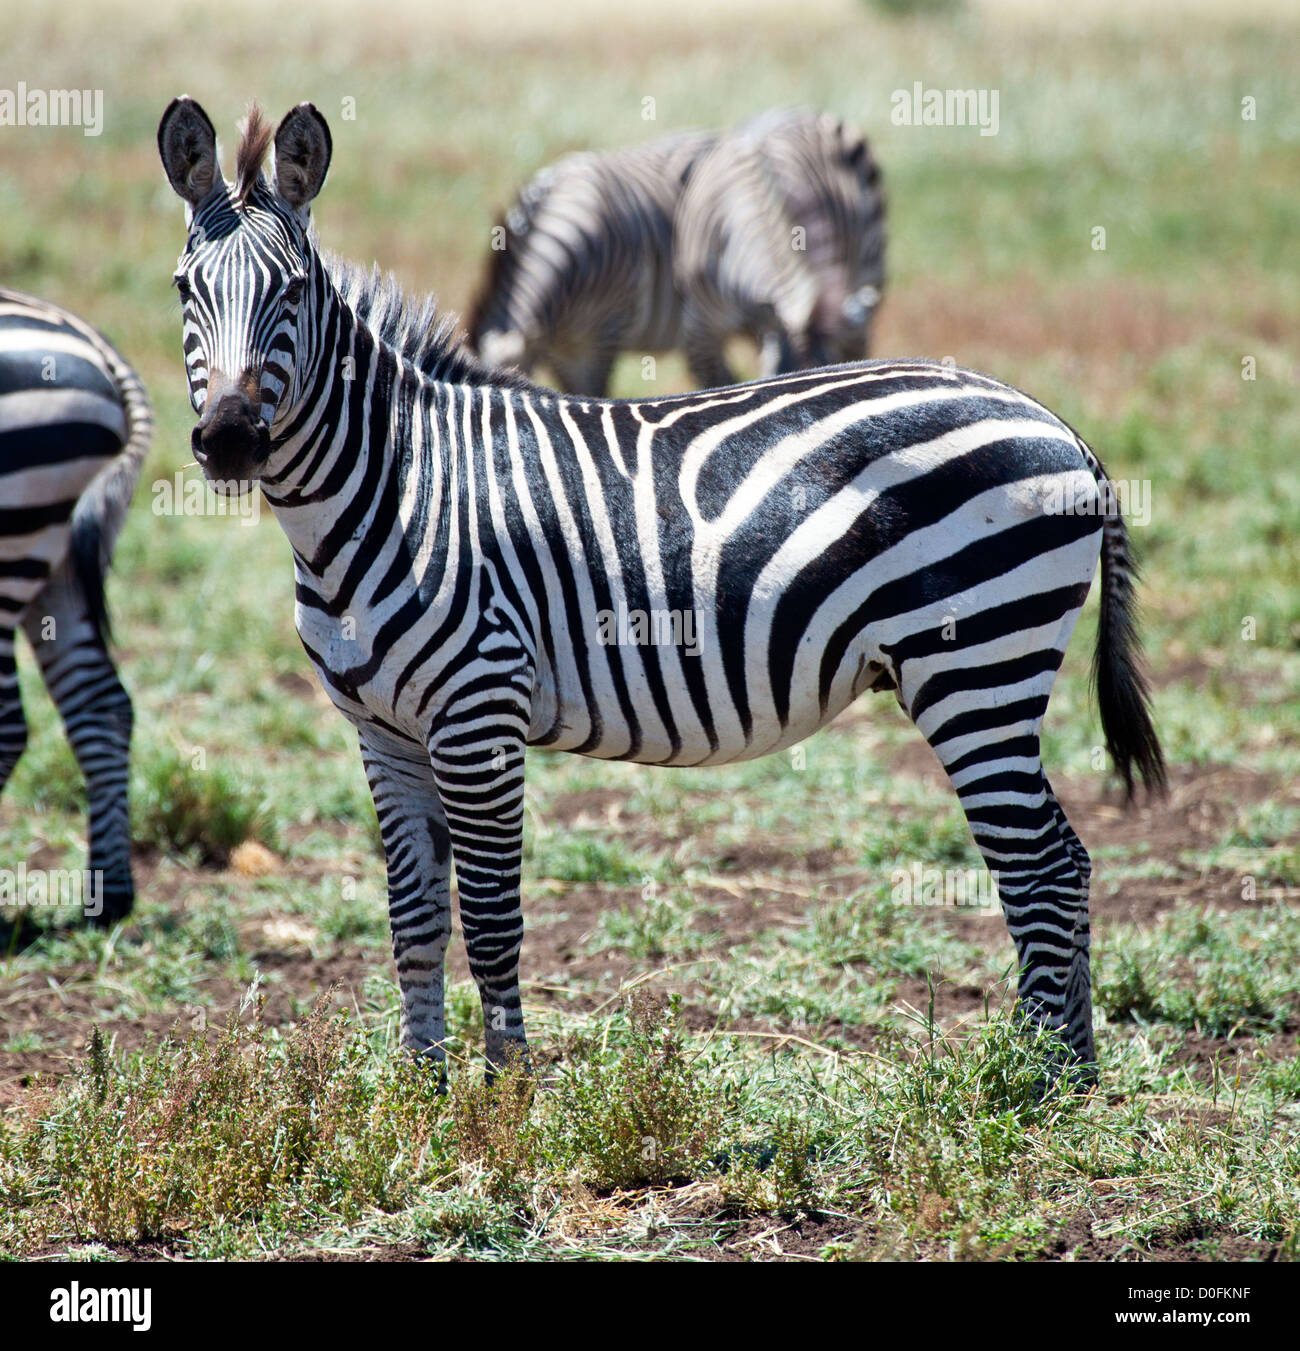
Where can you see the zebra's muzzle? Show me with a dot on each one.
(231, 441)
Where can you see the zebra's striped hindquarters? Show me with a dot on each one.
(74, 426)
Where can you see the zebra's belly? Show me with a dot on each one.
(670, 714)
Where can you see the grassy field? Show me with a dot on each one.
(747, 1046)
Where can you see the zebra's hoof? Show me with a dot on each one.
(117, 905)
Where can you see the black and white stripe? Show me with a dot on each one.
(460, 541)
(74, 427)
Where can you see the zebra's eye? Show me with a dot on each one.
(182, 287)
(293, 291)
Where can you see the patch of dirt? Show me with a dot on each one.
(588, 809)
(770, 1239)
(1078, 1240)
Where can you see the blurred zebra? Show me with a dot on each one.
(483, 565)
(74, 427)
(780, 237)
(585, 269)
(774, 231)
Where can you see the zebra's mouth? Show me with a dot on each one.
(231, 441)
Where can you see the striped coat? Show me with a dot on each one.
(584, 268)
(773, 232)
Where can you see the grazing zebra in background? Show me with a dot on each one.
(780, 237)
(74, 427)
(586, 268)
(469, 549)
(774, 231)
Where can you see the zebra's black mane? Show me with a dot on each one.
(412, 326)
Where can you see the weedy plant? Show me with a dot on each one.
(641, 1113)
(181, 809)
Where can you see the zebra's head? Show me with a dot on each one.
(249, 279)
(840, 328)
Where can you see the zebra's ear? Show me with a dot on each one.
(187, 144)
(302, 155)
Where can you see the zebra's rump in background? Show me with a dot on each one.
(74, 427)
(780, 237)
(581, 267)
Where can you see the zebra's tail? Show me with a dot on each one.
(1117, 670)
(101, 509)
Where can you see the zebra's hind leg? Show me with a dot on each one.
(417, 851)
(1042, 874)
(480, 777)
(97, 717)
(1078, 1003)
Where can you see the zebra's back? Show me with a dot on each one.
(740, 561)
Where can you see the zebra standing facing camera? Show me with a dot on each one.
(470, 550)
(75, 424)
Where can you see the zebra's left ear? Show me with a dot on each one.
(302, 155)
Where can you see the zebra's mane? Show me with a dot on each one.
(411, 325)
(254, 142)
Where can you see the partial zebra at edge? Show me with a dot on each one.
(75, 424)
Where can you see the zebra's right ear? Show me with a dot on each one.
(187, 144)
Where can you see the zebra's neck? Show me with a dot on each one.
(363, 451)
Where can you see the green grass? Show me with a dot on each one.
(833, 1071)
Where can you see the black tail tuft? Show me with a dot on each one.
(1117, 670)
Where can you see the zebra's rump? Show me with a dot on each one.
(68, 405)
(61, 416)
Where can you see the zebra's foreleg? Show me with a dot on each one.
(480, 779)
(417, 849)
(587, 374)
(97, 717)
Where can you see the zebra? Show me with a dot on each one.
(584, 268)
(780, 237)
(75, 423)
(467, 548)
(774, 231)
